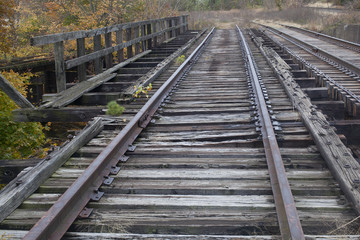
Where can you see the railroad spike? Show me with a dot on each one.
(96, 195)
(86, 212)
(131, 148)
(108, 180)
(115, 170)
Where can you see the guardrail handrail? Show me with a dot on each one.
(146, 34)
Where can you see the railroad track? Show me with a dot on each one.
(335, 62)
(193, 163)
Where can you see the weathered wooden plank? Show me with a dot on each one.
(119, 40)
(108, 44)
(23, 186)
(129, 51)
(14, 94)
(149, 41)
(136, 35)
(68, 114)
(9, 169)
(78, 90)
(97, 61)
(60, 67)
(104, 52)
(149, 77)
(341, 162)
(18, 235)
(53, 38)
(81, 52)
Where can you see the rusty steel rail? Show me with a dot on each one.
(289, 222)
(56, 221)
(328, 78)
(338, 41)
(315, 50)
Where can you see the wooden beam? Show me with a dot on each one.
(9, 169)
(53, 38)
(60, 67)
(143, 33)
(149, 41)
(81, 52)
(155, 27)
(128, 40)
(14, 94)
(161, 67)
(119, 40)
(339, 159)
(67, 114)
(108, 45)
(23, 186)
(137, 44)
(97, 61)
(71, 94)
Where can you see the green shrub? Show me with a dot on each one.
(18, 139)
(114, 109)
(180, 60)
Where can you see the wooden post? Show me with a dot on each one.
(81, 52)
(108, 58)
(173, 24)
(119, 39)
(60, 66)
(149, 41)
(155, 27)
(143, 33)
(97, 62)
(167, 34)
(180, 22)
(177, 22)
(169, 25)
(14, 94)
(186, 23)
(137, 45)
(128, 38)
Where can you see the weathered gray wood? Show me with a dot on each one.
(108, 45)
(119, 40)
(68, 114)
(143, 33)
(149, 41)
(81, 52)
(23, 186)
(53, 38)
(186, 25)
(97, 61)
(18, 235)
(155, 27)
(161, 67)
(136, 36)
(129, 51)
(340, 161)
(14, 94)
(108, 51)
(78, 90)
(60, 66)
(9, 169)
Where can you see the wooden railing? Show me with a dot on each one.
(139, 37)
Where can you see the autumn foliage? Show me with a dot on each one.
(22, 19)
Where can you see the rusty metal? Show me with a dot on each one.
(309, 48)
(338, 41)
(289, 222)
(56, 221)
(319, 72)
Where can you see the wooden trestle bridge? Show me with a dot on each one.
(254, 136)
